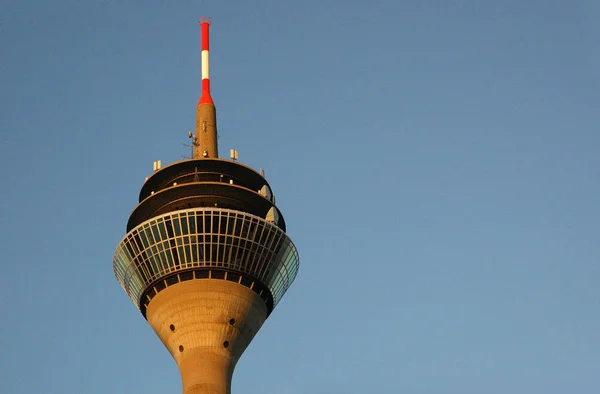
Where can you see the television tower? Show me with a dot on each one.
(206, 257)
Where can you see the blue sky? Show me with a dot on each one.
(437, 163)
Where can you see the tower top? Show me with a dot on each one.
(205, 143)
(205, 19)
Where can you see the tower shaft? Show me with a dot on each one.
(206, 132)
(206, 325)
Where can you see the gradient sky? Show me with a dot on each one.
(437, 164)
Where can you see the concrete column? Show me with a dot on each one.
(206, 324)
(206, 132)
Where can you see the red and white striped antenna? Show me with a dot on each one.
(205, 141)
(205, 22)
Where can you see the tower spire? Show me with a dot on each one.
(206, 116)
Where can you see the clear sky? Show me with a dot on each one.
(437, 163)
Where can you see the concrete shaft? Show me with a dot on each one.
(206, 324)
(206, 132)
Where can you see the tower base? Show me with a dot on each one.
(206, 324)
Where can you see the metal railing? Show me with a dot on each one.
(205, 238)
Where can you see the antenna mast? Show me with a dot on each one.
(206, 115)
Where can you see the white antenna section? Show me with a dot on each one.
(233, 154)
(262, 172)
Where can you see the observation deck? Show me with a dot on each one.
(204, 219)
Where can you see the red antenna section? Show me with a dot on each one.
(205, 22)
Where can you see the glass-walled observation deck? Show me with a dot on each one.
(179, 245)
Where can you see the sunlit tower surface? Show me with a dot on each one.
(206, 257)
